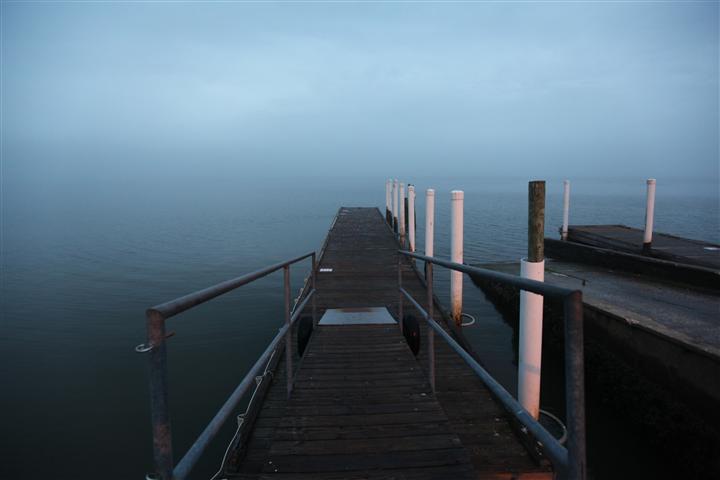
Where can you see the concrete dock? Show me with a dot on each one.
(664, 246)
(652, 351)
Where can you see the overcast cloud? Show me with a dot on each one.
(482, 89)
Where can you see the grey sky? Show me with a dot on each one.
(485, 89)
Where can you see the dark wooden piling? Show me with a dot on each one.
(536, 221)
(361, 405)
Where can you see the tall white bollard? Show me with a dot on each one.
(429, 221)
(456, 254)
(401, 217)
(396, 191)
(531, 304)
(530, 344)
(411, 216)
(566, 209)
(649, 214)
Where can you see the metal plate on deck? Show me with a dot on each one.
(357, 316)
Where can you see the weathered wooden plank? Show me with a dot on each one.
(361, 405)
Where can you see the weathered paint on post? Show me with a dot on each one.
(411, 216)
(649, 214)
(456, 254)
(566, 209)
(531, 304)
(159, 408)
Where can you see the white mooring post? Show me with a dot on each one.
(411, 216)
(395, 205)
(566, 209)
(429, 221)
(388, 201)
(531, 304)
(401, 217)
(649, 214)
(456, 254)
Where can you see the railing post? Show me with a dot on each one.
(288, 334)
(160, 411)
(566, 209)
(400, 295)
(431, 332)
(575, 385)
(312, 287)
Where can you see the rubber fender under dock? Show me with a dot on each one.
(304, 331)
(411, 331)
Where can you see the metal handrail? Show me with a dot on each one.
(157, 349)
(570, 461)
(186, 302)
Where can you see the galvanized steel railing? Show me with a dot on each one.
(156, 348)
(569, 462)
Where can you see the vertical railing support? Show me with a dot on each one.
(400, 295)
(312, 287)
(431, 332)
(575, 385)
(566, 210)
(288, 335)
(160, 411)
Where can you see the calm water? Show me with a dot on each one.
(80, 264)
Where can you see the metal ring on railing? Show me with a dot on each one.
(563, 437)
(472, 320)
(144, 348)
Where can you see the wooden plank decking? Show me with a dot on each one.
(664, 246)
(361, 406)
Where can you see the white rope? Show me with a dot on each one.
(472, 320)
(241, 417)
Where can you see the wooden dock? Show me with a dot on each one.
(664, 246)
(361, 405)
